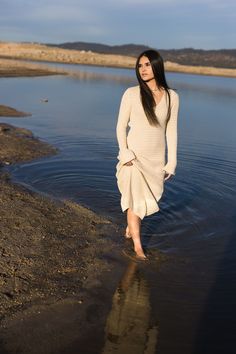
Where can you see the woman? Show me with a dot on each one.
(150, 110)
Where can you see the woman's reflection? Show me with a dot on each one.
(128, 328)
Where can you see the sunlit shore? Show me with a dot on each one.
(37, 52)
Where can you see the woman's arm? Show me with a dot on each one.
(125, 155)
(171, 136)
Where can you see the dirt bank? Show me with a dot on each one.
(34, 51)
(6, 111)
(19, 144)
(51, 253)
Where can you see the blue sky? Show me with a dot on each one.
(162, 24)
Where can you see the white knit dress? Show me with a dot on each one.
(141, 185)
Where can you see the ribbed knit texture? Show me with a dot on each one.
(141, 185)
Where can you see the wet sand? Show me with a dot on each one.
(34, 51)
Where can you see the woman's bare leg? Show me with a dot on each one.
(134, 229)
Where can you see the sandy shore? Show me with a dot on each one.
(52, 54)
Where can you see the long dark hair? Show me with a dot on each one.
(147, 98)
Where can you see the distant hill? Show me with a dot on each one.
(126, 49)
(221, 58)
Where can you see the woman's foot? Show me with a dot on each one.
(140, 255)
(133, 256)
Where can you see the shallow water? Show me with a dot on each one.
(192, 297)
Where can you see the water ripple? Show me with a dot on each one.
(192, 202)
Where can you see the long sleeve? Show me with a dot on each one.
(125, 155)
(171, 136)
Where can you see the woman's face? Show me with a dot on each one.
(145, 69)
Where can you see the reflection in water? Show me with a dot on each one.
(208, 89)
(91, 76)
(129, 329)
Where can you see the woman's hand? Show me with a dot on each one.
(129, 163)
(167, 176)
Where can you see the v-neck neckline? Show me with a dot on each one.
(158, 104)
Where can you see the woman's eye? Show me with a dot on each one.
(141, 65)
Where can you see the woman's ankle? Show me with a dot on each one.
(138, 249)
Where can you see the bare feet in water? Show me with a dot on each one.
(139, 254)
